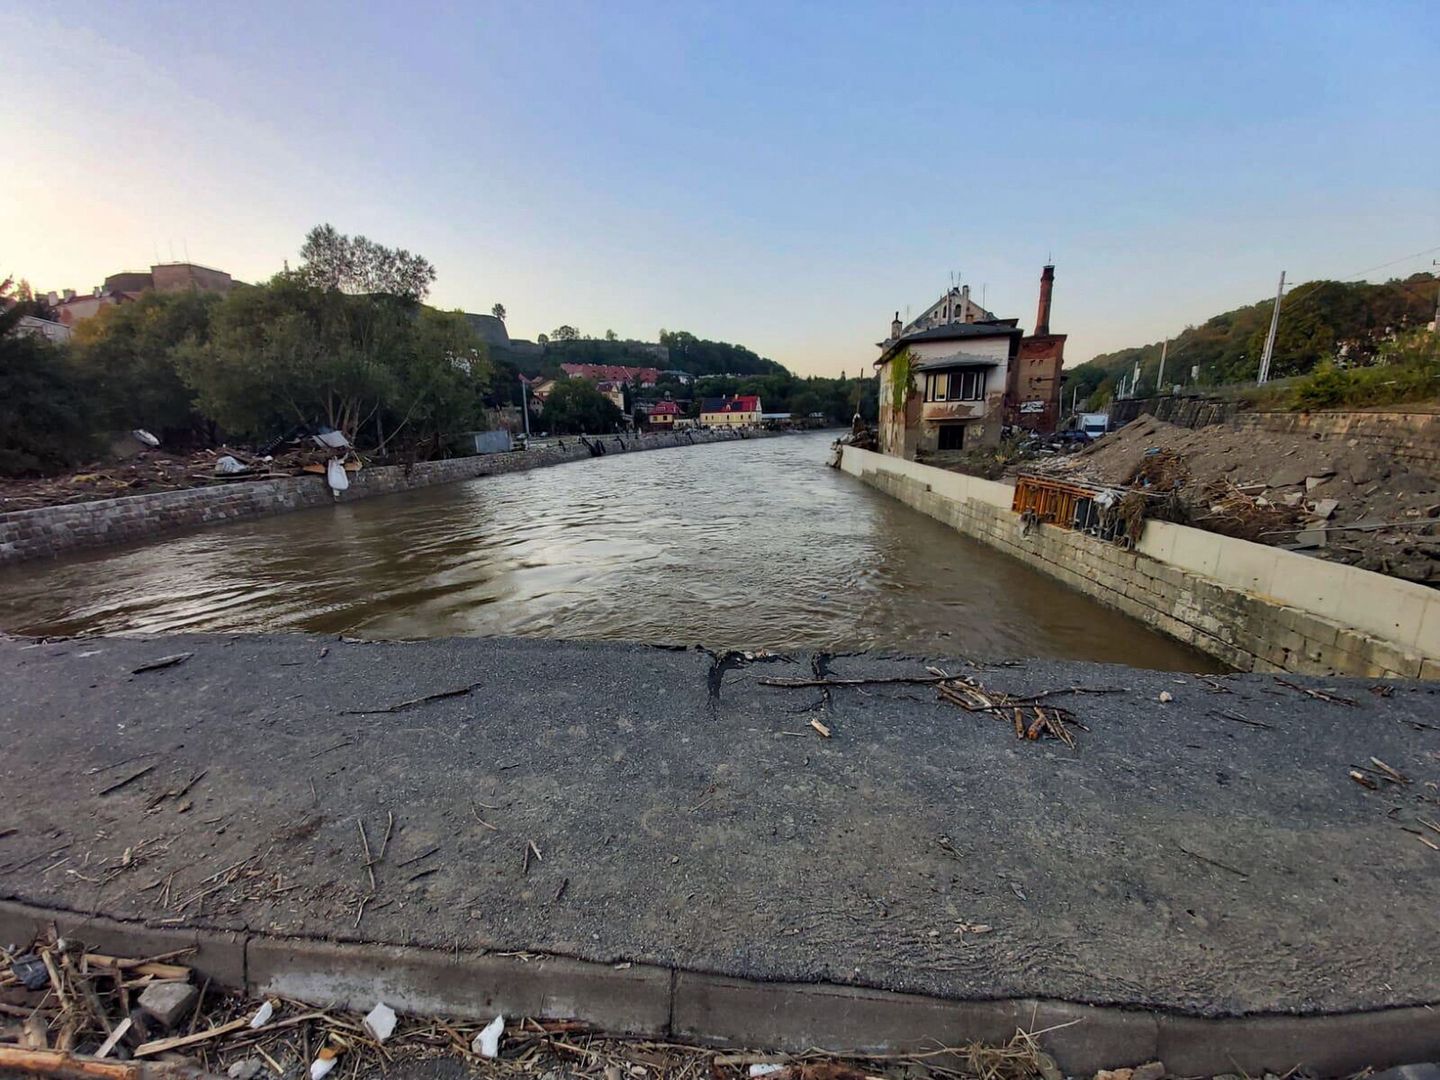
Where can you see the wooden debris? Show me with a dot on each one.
(127, 781)
(163, 662)
(1318, 695)
(459, 691)
(175, 1042)
(1226, 714)
(821, 728)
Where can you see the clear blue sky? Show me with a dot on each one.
(782, 175)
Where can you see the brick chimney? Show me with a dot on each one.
(1042, 317)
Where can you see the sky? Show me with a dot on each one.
(780, 175)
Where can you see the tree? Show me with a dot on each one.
(332, 260)
(610, 335)
(287, 353)
(542, 339)
(127, 355)
(576, 407)
(565, 333)
(45, 419)
(498, 311)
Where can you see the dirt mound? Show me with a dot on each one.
(1335, 499)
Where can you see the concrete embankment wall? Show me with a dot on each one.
(55, 530)
(1257, 608)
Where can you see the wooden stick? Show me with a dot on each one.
(114, 1037)
(159, 1046)
(369, 862)
(57, 1065)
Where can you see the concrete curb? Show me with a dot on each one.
(645, 999)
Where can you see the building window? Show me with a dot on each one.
(965, 385)
(952, 437)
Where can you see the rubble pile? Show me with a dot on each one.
(1338, 500)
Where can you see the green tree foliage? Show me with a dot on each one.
(565, 333)
(576, 407)
(126, 354)
(355, 264)
(1343, 323)
(610, 335)
(700, 357)
(288, 352)
(45, 418)
(498, 311)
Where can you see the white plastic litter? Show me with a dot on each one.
(335, 476)
(262, 1015)
(487, 1043)
(335, 440)
(380, 1022)
(143, 436)
(765, 1070)
(227, 466)
(321, 1067)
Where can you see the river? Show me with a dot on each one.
(743, 545)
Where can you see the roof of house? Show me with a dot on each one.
(612, 373)
(739, 403)
(956, 360)
(665, 408)
(957, 331)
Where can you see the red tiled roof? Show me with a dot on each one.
(739, 404)
(644, 376)
(665, 408)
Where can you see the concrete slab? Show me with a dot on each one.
(690, 818)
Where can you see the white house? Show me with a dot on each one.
(942, 389)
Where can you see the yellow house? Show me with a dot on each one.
(734, 411)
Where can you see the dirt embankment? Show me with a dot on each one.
(1333, 499)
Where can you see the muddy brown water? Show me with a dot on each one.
(740, 545)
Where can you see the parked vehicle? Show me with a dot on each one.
(1094, 424)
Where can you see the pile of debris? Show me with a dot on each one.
(1336, 500)
(66, 1012)
(150, 469)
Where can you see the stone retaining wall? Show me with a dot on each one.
(1257, 608)
(55, 530)
(1413, 437)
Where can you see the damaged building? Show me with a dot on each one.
(957, 376)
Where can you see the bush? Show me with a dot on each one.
(46, 418)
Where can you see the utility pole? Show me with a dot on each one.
(1270, 337)
(1160, 375)
(1435, 328)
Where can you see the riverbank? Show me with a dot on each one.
(909, 847)
(55, 530)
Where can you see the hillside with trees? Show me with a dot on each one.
(1347, 324)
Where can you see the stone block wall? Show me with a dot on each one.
(1254, 607)
(1411, 436)
(55, 530)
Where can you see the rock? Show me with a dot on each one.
(1310, 538)
(1114, 1074)
(1048, 1069)
(247, 1069)
(1293, 499)
(1313, 482)
(1165, 696)
(169, 1001)
(1154, 1070)
(1325, 508)
(1287, 476)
